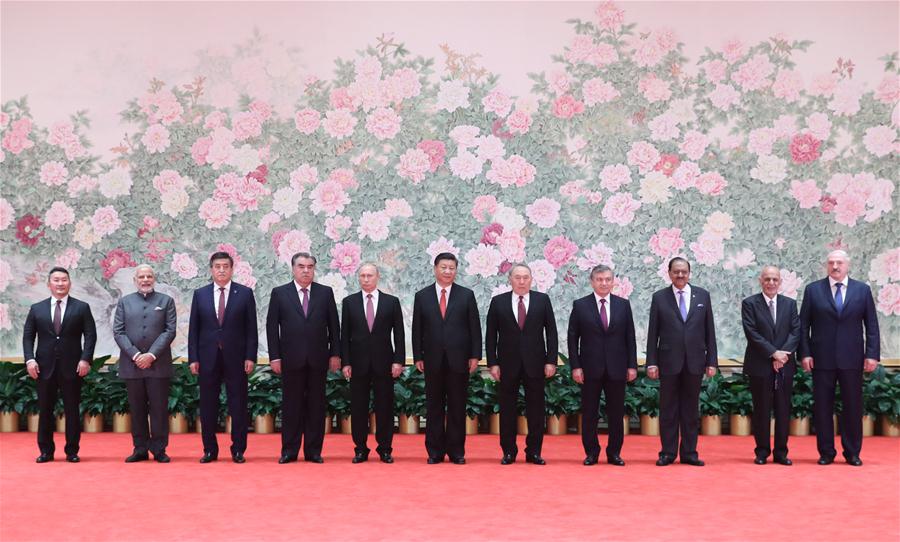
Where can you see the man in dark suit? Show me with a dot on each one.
(681, 346)
(522, 348)
(222, 345)
(772, 327)
(603, 357)
(446, 342)
(834, 346)
(371, 361)
(304, 344)
(61, 360)
(144, 328)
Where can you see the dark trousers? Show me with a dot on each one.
(71, 393)
(383, 386)
(679, 412)
(824, 382)
(509, 412)
(615, 411)
(149, 396)
(445, 404)
(765, 399)
(303, 410)
(236, 392)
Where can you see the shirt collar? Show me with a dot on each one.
(832, 282)
(227, 286)
(65, 300)
(300, 288)
(767, 298)
(438, 288)
(598, 297)
(686, 289)
(373, 292)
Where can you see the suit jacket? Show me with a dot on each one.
(838, 341)
(513, 348)
(237, 335)
(297, 339)
(145, 325)
(59, 352)
(764, 336)
(675, 345)
(598, 352)
(366, 350)
(458, 336)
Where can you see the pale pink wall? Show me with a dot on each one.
(87, 55)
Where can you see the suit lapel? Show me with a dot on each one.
(229, 303)
(781, 315)
(826, 291)
(670, 295)
(613, 303)
(46, 310)
(380, 310)
(764, 307)
(849, 292)
(451, 300)
(70, 308)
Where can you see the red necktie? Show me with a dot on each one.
(521, 312)
(57, 317)
(603, 319)
(370, 312)
(221, 312)
(443, 302)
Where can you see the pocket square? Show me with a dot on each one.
(699, 305)
(158, 309)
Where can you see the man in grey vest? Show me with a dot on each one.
(144, 329)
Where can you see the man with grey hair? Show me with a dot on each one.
(522, 348)
(772, 327)
(144, 328)
(837, 349)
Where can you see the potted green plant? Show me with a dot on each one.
(94, 388)
(632, 407)
(184, 398)
(562, 398)
(492, 408)
(712, 405)
(12, 392)
(29, 402)
(409, 399)
(738, 403)
(884, 400)
(476, 401)
(801, 404)
(117, 400)
(646, 391)
(337, 394)
(264, 398)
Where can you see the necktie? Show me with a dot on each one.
(521, 318)
(370, 312)
(681, 306)
(772, 309)
(443, 302)
(221, 311)
(838, 298)
(603, 318)
(57, 317)
(305, 301)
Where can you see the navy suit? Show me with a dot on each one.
(838, 344)
(303, 343)
(682, 350)
(605, 357)
(770, 389)
(57, 357)
(221, 352)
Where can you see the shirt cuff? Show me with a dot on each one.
(135, 356)
(32, 360)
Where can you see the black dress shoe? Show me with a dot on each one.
(760, 461)
(360, 457)
(314, 459)
(458, 460)
(590, 460)
(137, 456)
(535, 459)
(508, 459)
(162, 457)
(664, 460)
(386, 458)
(783, 461)
(238, 458)
(695, 462)
(72, 458)
(825, 460)
(44, 458)
(285, 458)
(435, 460)
(854, 461)
(208, 457)
(615, 460)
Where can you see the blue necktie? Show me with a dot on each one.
(838, 298)
(681, 306)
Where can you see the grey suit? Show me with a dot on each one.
(146, 324)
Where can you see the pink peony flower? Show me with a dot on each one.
(29, 230)
(807, 193)
(597, 91)
(580, 49)
(68, 259)
(7, 214)
(466, 165)
(666, 242)
(715, 70)
(344, 177)
(404, 84)
(245, 125)
(559, 251)
(200, 150)
(465, 136)
(596, 255)
(513, 171)
(169, 180)
(622, 287)
(754, 73)
(888, 91)
(848, 208)
(685, 175)
(383, 123)
(483, 207)
(183, 265)
(613, 176)
(215, 213)
(439, 245)
(804, 148)
(724, 97)
(215, 120)
(846, 97)
(544, 274)
(760, 141)
(395, 208)
(115, 259)
(161, 106)
(711, 183)
(336, 226)
(221, 148)
(307, 121)
(620, 208)
(819, 126)
(230, 249)
(664, 127)
(156, 139)
(339, 123)
(413, 165)
(490, 233)
(790, 283)
(709, 249)
(511, 245)
(889, 299)
(483, 261)
(518, 122)
(787, 86)
(290, 243)
(105, 221)
(694, 144)
(719, 224)
(609, 16)
(58, 215)
(243, 274)
(643, 155)
(885, 267)
(733, 50)
(345, 257)
(566, 107)
(823, 85)
(54, 174)
(878, 140)
(305, 175)
(543, 213)
(261, 109)
(328, 197)
(436, 152)
(667, 164)
(498, 102)
(654, 89)
(374, 225)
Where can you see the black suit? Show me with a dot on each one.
(682, 350)
(521, 355)
(370, 355)
(57, 357)
(764, 338)
(303, 343)
(445, 345)
(605, 357)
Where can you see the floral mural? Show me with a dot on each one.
(626, 153)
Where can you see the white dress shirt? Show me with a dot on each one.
(597, 299)
(774, 302)
(216, 295)
(687, 298)
(515, 303)
(438, 288)
(62, 307)
(365, 300)
(832, 282)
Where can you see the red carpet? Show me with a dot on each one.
(730, 499)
